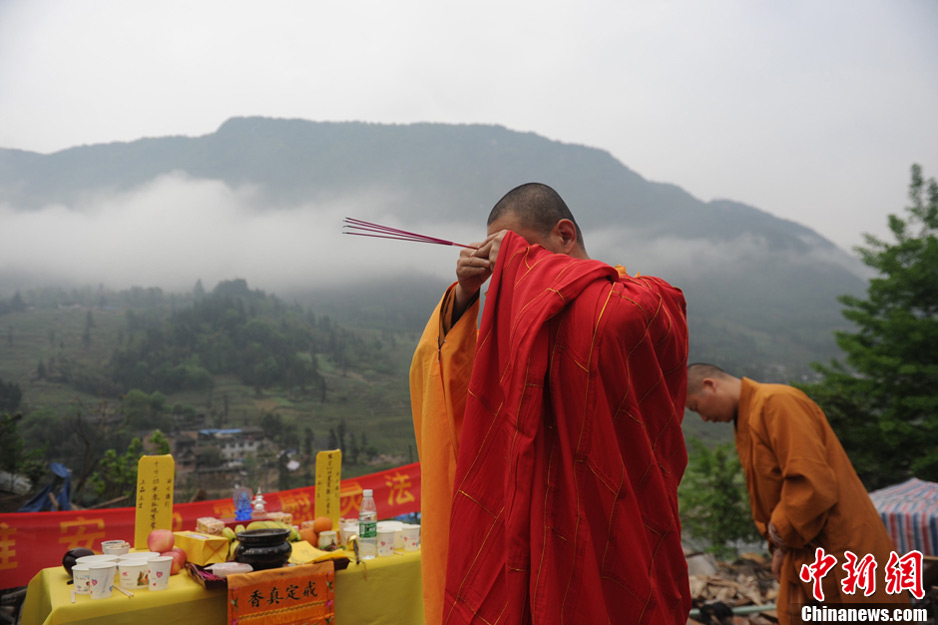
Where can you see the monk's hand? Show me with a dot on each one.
(778, 556)
(775, 537)
(472, 270)
(491, 245)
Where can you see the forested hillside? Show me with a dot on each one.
(91, 370)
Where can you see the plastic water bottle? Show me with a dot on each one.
(368, 526)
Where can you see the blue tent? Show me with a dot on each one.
(42, 503)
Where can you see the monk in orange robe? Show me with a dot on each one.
(555, 449)
(803, 490)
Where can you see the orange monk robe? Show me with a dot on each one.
(801, 480)
(439, 379)
(571, 450)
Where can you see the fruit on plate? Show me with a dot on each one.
(179, 559)
(160, 540)
(322, 524)
(266, 525)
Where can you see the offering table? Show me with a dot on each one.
(383, 591)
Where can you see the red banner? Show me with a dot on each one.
(31, 541)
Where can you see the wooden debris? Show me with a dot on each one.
(747, 582)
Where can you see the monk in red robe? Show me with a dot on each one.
(559, 439)
(803, 489)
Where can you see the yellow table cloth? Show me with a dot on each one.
(383, 591)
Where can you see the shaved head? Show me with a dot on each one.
(712, 392)
(698, 371)
(537, 207)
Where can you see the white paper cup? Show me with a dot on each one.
(114, 547)
(347, 529)
(81, 578)
(385, 542)
(410, 536)
(96, 559)
(133, 573)
(102, 579)
(158, 570)
(138, 555)
(397, 526)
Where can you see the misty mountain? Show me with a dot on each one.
(266, 194)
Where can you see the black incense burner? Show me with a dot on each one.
(263, 548)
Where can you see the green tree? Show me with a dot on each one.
(354, 451)
(713, 500)
(10, 396)
(272, 425)
(116, 474)
(144, 411)
(159, 443)
(284, 481)
(14, 457)
(883, 401)
(308, 439)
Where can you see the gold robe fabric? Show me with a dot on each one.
(439, 381)
(801, 480)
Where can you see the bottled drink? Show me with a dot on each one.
(368, 526)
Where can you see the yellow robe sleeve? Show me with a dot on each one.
(809, 485)
(439, 380)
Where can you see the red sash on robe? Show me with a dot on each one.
(565, 498)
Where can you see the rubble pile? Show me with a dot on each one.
(718, 588)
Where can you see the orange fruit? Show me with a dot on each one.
(310, 536)
(322, 524)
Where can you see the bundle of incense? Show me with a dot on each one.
(367, 229)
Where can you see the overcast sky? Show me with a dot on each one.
(813, 111)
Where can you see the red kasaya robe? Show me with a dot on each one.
(565, 496)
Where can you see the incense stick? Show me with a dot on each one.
(362, 228)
